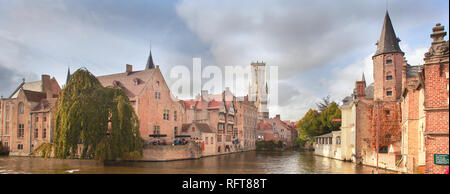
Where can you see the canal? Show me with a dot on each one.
(254, 162)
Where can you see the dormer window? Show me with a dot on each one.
(136, 81)
(116, 83)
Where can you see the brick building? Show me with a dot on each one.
(27, 116)
(436, 100)
(219, 112)
(246, 120)
(274, 129)
(401, 120)
(160, 115)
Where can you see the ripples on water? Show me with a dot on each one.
(254, 162)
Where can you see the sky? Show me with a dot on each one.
(320, 47)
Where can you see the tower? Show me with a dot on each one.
(360, 88)
(258, 88)
(387, 64)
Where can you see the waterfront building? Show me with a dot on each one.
(246, 121)
(160, 115)
(329, 145)
(27, 115)
(274, 129)
(400, 122)
(203, 134)
(219, 112)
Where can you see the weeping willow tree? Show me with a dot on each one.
(94, 122)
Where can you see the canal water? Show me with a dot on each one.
(253, 162)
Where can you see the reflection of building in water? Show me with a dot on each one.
(258, 90)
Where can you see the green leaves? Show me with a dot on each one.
(316, 123)
(100, 120)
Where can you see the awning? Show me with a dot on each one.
(177, 136)
(157, 135)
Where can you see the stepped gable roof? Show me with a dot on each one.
(127, 81)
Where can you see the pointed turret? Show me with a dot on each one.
(363, 78)
(68, 75)
(388, 42)
(150, 64)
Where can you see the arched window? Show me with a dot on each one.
(338, 140)
(388, 60)
(21, 108)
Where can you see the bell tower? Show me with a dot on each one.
(387, 64)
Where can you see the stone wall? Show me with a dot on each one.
(169, 152)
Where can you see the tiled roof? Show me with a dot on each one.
(132, 83)
(413, 71)
(347, 100)
(33, 96)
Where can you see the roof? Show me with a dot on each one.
(132, 83)
(326, 135)
(388, 42)
(31, 86)
(369, 91)
(45, 104)
(33, 96)
(413, 71)
(347, 100)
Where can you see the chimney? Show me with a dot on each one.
(129, 68)
(45, 83)
(277, 117)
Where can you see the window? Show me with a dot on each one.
(157, 84)
(21, 109)
(157, 95)
(166, 114)
(220, 126)
(389, 77)
(212, 140)
(206, 140)
(228, 138)
(388, 136)
(45, 119)
(388, 113)
(20, 146)
(37, 119)
(7, 111)
(44, 133)
(175, 131)
(6, 144)
(156, 130)
(389, 93)
(219, 138)
(388, 60)
(36, 133)
(20, 131)
(338, 140)
(174, 115)
(230, 128)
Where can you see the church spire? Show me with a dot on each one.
(363, 78)
(388, 42)
(68, 75)
(150, 64)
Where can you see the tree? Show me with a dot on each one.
(100, 120)
(316, 122)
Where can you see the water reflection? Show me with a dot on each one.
(288, 162)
